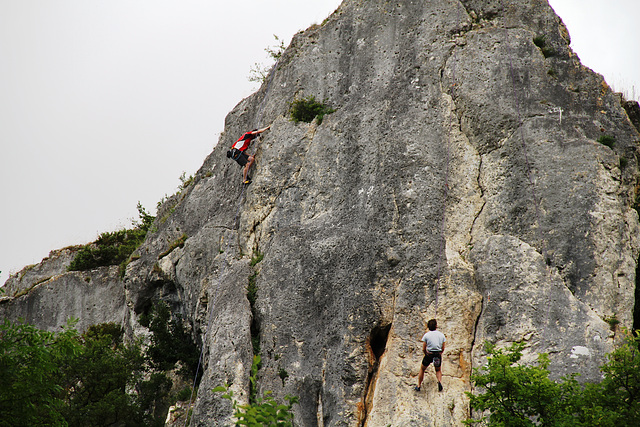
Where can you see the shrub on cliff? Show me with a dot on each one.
(307, 109)
(170, 343)
(517, 395)
(262, 410)
(113, 248)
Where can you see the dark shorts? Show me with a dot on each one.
(435, 357)
(239, 156)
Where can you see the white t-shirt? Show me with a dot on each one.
(434, 340)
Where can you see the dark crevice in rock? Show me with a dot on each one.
(475, 327)
(376, 346)
(378, 340)
(484, 202)
(252, 294)
(636, 305)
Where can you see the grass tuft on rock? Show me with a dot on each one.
(307, 109)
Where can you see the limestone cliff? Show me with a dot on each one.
(460, 177)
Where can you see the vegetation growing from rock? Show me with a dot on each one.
(607, 140)
(171, 343)
(259, 72)
(113, 248)
(178, 243)
(307, 109)
(262, 410)
(518, 395)
(541, 42)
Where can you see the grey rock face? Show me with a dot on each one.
(460, 178)
(91, 297)
(56, 263)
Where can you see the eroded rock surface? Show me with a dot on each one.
(460, 177)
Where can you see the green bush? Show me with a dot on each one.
(113, 248)
(67, 379)
(607, 140)
(541, 42)
(261, 411)
(185, 181)
(517, 395)
(170, 342)
(184, 394)
(307, 109)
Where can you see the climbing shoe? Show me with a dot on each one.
(416, 388)
(247, 181)
(439, 386)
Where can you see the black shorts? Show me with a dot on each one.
(435, 357)
(239, 156)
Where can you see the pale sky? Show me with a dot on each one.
(106, 103)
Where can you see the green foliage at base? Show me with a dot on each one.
(261, 411)
(517, 395)
(113, 248)
(31, 393)
(171, 343)
(307, 109)
(67, 379)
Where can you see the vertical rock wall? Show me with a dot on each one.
(460, 177)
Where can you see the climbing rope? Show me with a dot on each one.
(536, 200)
(213, 305)
(443, 240)
(227, 250)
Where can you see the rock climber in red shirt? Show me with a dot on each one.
(237, 152)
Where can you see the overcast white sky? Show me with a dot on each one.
(106, 103)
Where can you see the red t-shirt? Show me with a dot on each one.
(243, 142)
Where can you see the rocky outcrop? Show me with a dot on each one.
(46, 295)
(460, 177)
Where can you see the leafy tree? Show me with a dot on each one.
(30, 361)
(517, 395)
(170, 342)
(615, 401)
(66, 379)
(97, 378)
